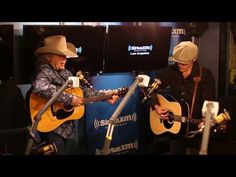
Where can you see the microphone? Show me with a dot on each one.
(150, 90)
(81, 77)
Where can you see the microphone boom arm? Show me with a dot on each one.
(117, 112)
(45, 107)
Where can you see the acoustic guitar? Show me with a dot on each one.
(58, 113)
(178, 117)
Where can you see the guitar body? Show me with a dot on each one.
(159, 126)
(56, 114)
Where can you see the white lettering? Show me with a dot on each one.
(140, 50)
(120, 149)
(119, 120)
(178, 31)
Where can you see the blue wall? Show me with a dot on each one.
(126, 132)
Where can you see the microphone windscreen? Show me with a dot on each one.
(80, 75)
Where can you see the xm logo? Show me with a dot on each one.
(120, 120)
(120, 149)
(178, 31)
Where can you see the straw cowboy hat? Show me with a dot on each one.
(56, 45)
(185, 52)
(71, 47)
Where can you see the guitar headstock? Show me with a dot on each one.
(221, 122)
(225, 116)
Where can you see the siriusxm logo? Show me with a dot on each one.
(140, 50)
(178, 31)
(124, 148)
(120, 120)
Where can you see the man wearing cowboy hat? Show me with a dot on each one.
(50, 76)
(181, 79)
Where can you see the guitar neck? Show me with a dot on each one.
(97, 98)
(221, 117)
(184, 119)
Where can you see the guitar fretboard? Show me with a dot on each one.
(185, 119)
(97, 98)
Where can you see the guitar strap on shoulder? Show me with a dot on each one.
(196, 79)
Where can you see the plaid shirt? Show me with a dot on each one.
(48, 81)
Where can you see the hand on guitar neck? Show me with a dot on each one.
(113, 99)
(78, 101)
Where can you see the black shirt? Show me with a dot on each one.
(182, 88)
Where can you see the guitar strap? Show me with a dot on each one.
(196, 79)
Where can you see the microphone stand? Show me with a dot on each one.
(206, 133)
(113, 119)
(33, 129)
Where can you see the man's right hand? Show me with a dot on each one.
(162, 112)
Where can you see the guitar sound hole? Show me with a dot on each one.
(62, 114)
(169, 123)
(171, 117)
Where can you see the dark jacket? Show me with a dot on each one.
(182, 88)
